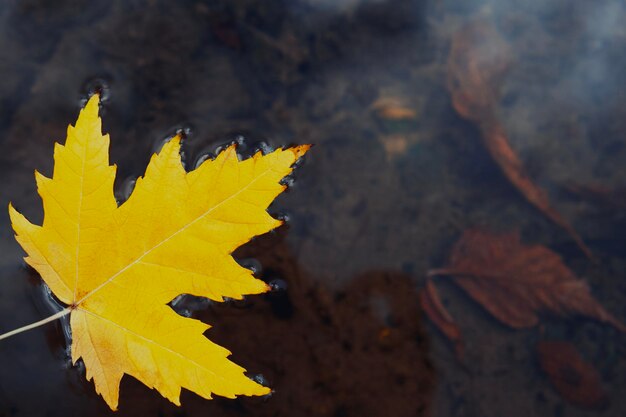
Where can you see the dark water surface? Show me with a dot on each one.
(377, 203)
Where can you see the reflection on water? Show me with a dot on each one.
(395, 178)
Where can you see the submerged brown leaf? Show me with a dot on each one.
(478, 60)
(393, 108)
(516, 282)
(437, 313)
(498, 145)
(575, 379)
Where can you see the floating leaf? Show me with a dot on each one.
(117, 268)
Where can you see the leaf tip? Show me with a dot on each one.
(170, 146)
(94, 100)
(230, 152)
(17, 219)
(12, 213)
(177, 138)
(40, 179)
(300, 150)
(92, 107)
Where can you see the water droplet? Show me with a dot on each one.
(282, 216)
(259, 379)
(185, 131)
(251, 264)
(98, 85)
(289, 181)
(240, 140)
(277, 285)
(263, 147)
(203, 157)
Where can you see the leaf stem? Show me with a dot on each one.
(53, 317)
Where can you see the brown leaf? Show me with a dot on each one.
(393, 108)
(478, 60)
(498, 146)
(515, 282)
(575, 379)
(437, 313)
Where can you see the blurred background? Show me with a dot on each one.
(430, 119)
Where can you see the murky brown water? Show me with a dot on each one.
(378, 201)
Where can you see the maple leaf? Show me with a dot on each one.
(118, 267)
(515, 282)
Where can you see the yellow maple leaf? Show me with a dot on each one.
(117, 268)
